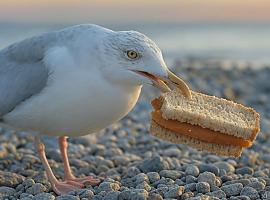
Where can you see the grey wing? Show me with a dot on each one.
(22, 72)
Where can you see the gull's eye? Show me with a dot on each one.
(132, 54)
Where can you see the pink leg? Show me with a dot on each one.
(69, 177)
(57, 186)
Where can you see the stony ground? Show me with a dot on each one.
(138, 166)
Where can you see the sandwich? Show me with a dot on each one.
(204, 122)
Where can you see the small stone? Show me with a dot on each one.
(190, 179)
(155, 164)
(28, 182)
(111, 195)
(226, 166)
(6, 191)
(134, 194)
(257, 185)
(192, 170)
(174, 192)
(218, 194)
(207, 177)
(10, 179)
(67, 197)
(203, 187)
(244, 170)
(85, 193)
(133, 171)
(265, 195)
(155, 196)
(144, 185)
(139, 178)
(232, 189)
(190, 187)
(108, 187)
(209, 168)
(36, 189)
(171, 152)
(172, 174)
(44, 196)
(250, 192)
(153, 176)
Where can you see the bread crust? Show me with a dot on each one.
(218, 149)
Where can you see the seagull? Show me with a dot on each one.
(77, 81)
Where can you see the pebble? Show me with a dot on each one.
(67, 197)
(10, 179)
(133, 194)
(257, 185)
(36, 189)
(6, 191)
(192, 170)
(209, 168)
(207, 177)
(232, 189)
(203, 187)
(244, 170)
(155, 164)
(172, 174)
(111, 195)
(218, 194)
(225, 166)
(44, 196)
(153, 176)
(174, 192)
(250, 192)
(108, 187)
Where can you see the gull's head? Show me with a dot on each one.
(131, 58)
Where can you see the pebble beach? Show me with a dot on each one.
(138, 166)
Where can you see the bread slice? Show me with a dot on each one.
(224, 127)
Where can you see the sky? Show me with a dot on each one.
(134, 11)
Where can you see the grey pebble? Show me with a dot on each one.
(10, 179)
(134, 194)
(203, 187)
(153, 176)
(174, 192)
(250, 192)
(36, 189)
(209, 168)
(226, 166)
(144, 185)
(67, 197)
(244, 170)
(232, 189)
(192, 170)
(218, 194)
(190, 187)
(154, 196)
(172, 174)
(108, 187)
(112, 195)
(190, 179)
(257, 185)
(155, 164)
(44, 196)
(207, 177)
(265, 195)
(6, 191)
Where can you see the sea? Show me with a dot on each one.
(242, 43)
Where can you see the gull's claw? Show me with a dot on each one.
(180, 84)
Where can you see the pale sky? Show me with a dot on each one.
(123, 11)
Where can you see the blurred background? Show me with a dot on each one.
(223, 31)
